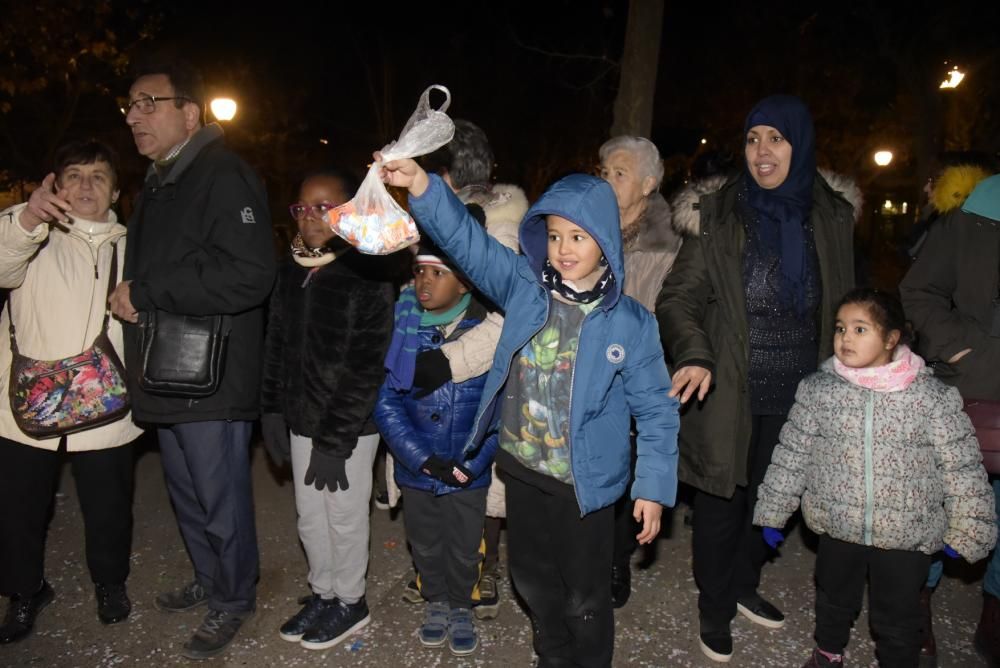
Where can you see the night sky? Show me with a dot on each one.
(540, 77)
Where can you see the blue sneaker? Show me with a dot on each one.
(462, 635)
(434, 630)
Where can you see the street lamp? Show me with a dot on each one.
(223, 108)
(955, 77)
(882, 158)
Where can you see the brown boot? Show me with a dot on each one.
(987, 640)
(928, 646)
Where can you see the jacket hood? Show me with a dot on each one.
(985, 199)
(684, 205)
(589, 202)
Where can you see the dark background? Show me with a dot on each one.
(540, 78)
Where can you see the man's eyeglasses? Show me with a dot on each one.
(300, 211)
(147, 105)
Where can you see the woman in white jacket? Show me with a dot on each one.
(55, 255)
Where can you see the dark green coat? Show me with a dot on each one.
(702, 316)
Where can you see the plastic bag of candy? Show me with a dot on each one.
(372, 221)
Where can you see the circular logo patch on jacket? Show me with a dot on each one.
(615, 353)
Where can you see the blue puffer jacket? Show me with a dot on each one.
(619, 364)
(438, 424)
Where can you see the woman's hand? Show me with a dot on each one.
(404, 173)
(44, 206)
(648, 513)
(689, 379)
(959, 355)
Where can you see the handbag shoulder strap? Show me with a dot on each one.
(112, 282)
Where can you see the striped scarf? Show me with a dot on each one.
(401, 360)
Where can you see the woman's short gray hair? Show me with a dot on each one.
(650, 163)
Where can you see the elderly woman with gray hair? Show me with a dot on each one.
(633, 167)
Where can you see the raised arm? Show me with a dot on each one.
(490, 265)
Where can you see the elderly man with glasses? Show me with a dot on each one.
(199, 245)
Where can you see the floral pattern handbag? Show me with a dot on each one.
(50, 398)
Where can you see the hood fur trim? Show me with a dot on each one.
(684, 204)
(687, 221)
(954, 186)
(846, 187)
(656, 232)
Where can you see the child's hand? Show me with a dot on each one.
(405, 173)
(689, 379)
(648, 513)
(773, 537)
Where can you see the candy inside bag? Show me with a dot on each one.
(372, 221)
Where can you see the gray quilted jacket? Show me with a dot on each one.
(895, 470)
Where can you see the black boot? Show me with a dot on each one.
(113, 604)
(987, 639)
(21, 614)
(621, 583)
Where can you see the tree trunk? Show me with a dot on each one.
(633, 112)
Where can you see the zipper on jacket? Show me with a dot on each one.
(572, 382)
(869, 467)
(475, 427)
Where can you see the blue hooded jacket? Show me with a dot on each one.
(619, 370)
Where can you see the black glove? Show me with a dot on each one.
(274, 431)
(326, 470)
(431, 372)
(447, 471)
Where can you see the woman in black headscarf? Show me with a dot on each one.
(745, 315)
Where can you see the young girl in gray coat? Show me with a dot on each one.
(889, 472)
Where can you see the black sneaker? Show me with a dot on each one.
(621, 583)
(717, 644)
(759, 611)
(302, 621)
(187, 598)
(21, 614)
(112, 603)
(382, 500)
(336, 623)
(217, 630)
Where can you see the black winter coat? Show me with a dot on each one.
(702, 316)
(327, 335)
(199, 243)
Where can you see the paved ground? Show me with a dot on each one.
(657, 628)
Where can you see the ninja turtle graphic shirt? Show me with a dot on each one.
(535, 419)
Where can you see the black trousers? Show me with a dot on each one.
(444, 533)
(207, 469)
(28, 479)
(560, 564)
(728, 551)
(895, 578)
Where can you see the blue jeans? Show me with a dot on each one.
(991, 581)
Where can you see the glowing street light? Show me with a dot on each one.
(882, 158)
(223, 108)
(955, 77)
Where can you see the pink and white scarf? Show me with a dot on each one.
(892, 377)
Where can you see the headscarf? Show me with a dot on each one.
(781, 214)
